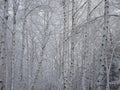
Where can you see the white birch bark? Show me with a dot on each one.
(72, 47)
(3, 45)
(23, 40)
(85, 47)
(103, 57)
(65, 52)
(15, 8)
(28, 60)
(94, 71)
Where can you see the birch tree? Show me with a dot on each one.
(23, 41)
(4, 44)
(64, 59)
(15, 8)
(103, 57)
(86, 46)
(72, 46)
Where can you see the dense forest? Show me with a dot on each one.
(59, 44)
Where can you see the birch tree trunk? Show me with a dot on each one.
(28, 61)
(94, 71)
(72, 46)
(86, 47)
(32, 54)
(4, 45)
(23, 41)
(103, 57)
(106, 18)
(65, 52)
(15, 7)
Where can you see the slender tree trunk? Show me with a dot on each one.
(32, 54)
(86, 47)
(22, 52)
(103, 57)
(106, 18)
(107, 76)
(60, 55)
(13, 44)
(94, 71)
(4, 45)
(72, 46)
(23, 41)
(65, 52)
(28, 60)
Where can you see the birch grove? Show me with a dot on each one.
(59, 45)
